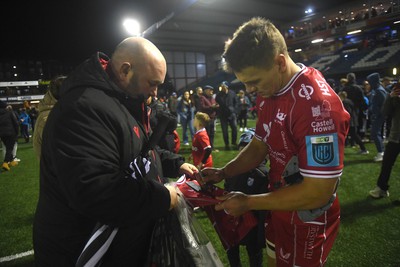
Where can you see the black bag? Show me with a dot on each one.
(178, 240)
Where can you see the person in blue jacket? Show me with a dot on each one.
(25, 122)
(377, 117)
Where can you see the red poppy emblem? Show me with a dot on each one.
(136, 130)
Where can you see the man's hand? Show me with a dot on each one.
(188, 169)
(174, 196)
(233, 203)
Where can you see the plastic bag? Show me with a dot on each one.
(178, 240)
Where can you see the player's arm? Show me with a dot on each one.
(311, 193)
(247, 159)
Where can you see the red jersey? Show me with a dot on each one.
(305, 119)
(199, 143)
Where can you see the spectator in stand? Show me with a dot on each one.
(227, 101)
(45, 106)
(243, 108)
(356, 95)
(196, 99)
(201, 147)
(25, 122)
(8, 135)
(392, 107)
(173, 103)
(209, 106)
(185, 111)
(349, 106)
(377, 117)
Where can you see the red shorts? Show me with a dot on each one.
(299, 243)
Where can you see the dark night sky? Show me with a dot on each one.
(72, 30)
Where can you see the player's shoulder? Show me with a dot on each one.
(311, 86)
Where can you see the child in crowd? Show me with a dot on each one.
(252, 182)
(201, 147)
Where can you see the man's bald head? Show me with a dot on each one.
(137, 63)
(135, 49)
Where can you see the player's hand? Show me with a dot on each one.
(233, 203)
(212, 175)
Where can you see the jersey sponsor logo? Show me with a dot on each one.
(284, 256)
(280, 117)
(267, 129)
(323, 126)
(322, 150)
(306, 91)
(322, 112)
(284, 141)
(278, 157)
(323, 87)
(310, 243)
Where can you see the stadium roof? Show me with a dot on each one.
(205, 25)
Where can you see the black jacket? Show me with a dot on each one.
(92, 134)
(356, 95)
(8, 123)
(227, 104)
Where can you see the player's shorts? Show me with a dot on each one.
(299, 243)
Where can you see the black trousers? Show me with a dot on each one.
(242, 118)
(210, 128)
(392, 150)
(355, 138)
(254, 251)
(231, 121)
(9, 142)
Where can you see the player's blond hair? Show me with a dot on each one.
(203, 118)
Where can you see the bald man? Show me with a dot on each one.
(94, 166)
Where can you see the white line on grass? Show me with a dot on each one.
(16, 256)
